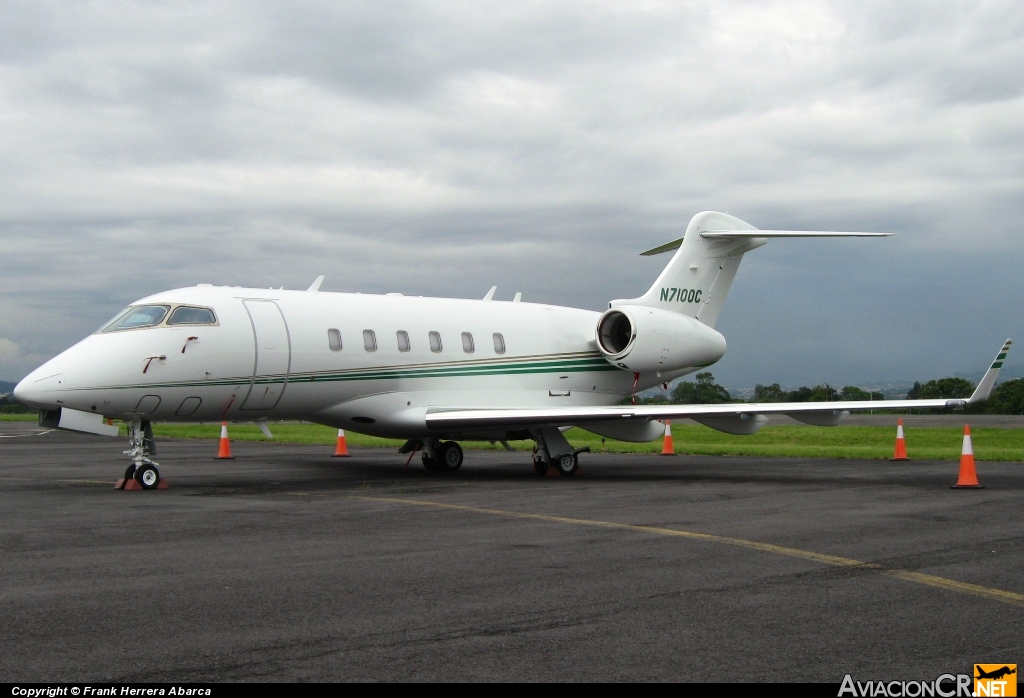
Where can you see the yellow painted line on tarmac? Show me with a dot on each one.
(1008, 597)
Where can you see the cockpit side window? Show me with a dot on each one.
(137, 316)
(190, 315)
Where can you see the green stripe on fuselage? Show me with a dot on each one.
(459, 369)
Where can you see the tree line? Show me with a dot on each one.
(1006, 398)
(8, 405)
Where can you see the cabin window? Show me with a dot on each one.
(136, 317)
(435, 342)
(369, 340)
(189, 315)
(499, 343)
(467, 343)
(334, 339)
(403, 340)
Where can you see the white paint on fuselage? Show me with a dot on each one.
(550, 351)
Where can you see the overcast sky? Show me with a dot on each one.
(438, 148)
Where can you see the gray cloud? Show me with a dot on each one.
(437, 148)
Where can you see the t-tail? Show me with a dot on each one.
(697, 280)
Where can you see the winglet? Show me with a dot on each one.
(984, 388)
(315, 286)
(490, 294)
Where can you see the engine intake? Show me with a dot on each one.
(615, 333)
(645, 340)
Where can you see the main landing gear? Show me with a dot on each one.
(565, 464)
(439, 455)
(553, 455)
(551, 441)
(142, 474)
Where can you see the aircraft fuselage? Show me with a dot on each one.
(369, 363)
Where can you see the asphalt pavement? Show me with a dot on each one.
(289, 565)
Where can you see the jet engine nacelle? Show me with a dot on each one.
(647, 340)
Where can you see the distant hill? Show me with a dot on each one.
(1005, 374)
(6, 387)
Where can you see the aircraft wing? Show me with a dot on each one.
(820, 413)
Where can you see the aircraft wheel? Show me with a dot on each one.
(451, 455)
(540, 467)
(567, 463)
(147, 476)
(129, 472)
(429, 462)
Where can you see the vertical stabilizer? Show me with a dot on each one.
(700, 274)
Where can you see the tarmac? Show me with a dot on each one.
(289, 565)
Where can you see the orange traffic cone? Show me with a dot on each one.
(968, 476)
(341, 451)
(901, 444)
(225, 445)
(668, 448)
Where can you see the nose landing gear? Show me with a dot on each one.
(142, 474)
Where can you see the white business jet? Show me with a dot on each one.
(430, 370)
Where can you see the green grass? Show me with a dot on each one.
(19, 416)
(926, 443)
(923, 443)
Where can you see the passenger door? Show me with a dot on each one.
(273, 355)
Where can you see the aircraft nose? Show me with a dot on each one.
(36, 390)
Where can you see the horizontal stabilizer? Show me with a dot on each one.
(754, 233)
(789, 234)
(667, 247)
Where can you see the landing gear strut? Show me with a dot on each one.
(142, 474)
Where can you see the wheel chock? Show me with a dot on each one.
(120, 484)
(577, 471)
(132, 485)
(552, 471)
(162, 484)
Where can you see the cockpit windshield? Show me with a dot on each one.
(189, 315)
(137, 316)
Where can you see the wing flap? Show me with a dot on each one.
(444, 419)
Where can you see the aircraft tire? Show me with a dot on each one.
(147, 476)
(567, 463)
(450, 456)
(540, 467)
(429, 462)
(129, 472)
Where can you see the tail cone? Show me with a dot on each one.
(968, 476)
(225, 445)
(668, 447)
(901, 444)
(341, 450)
